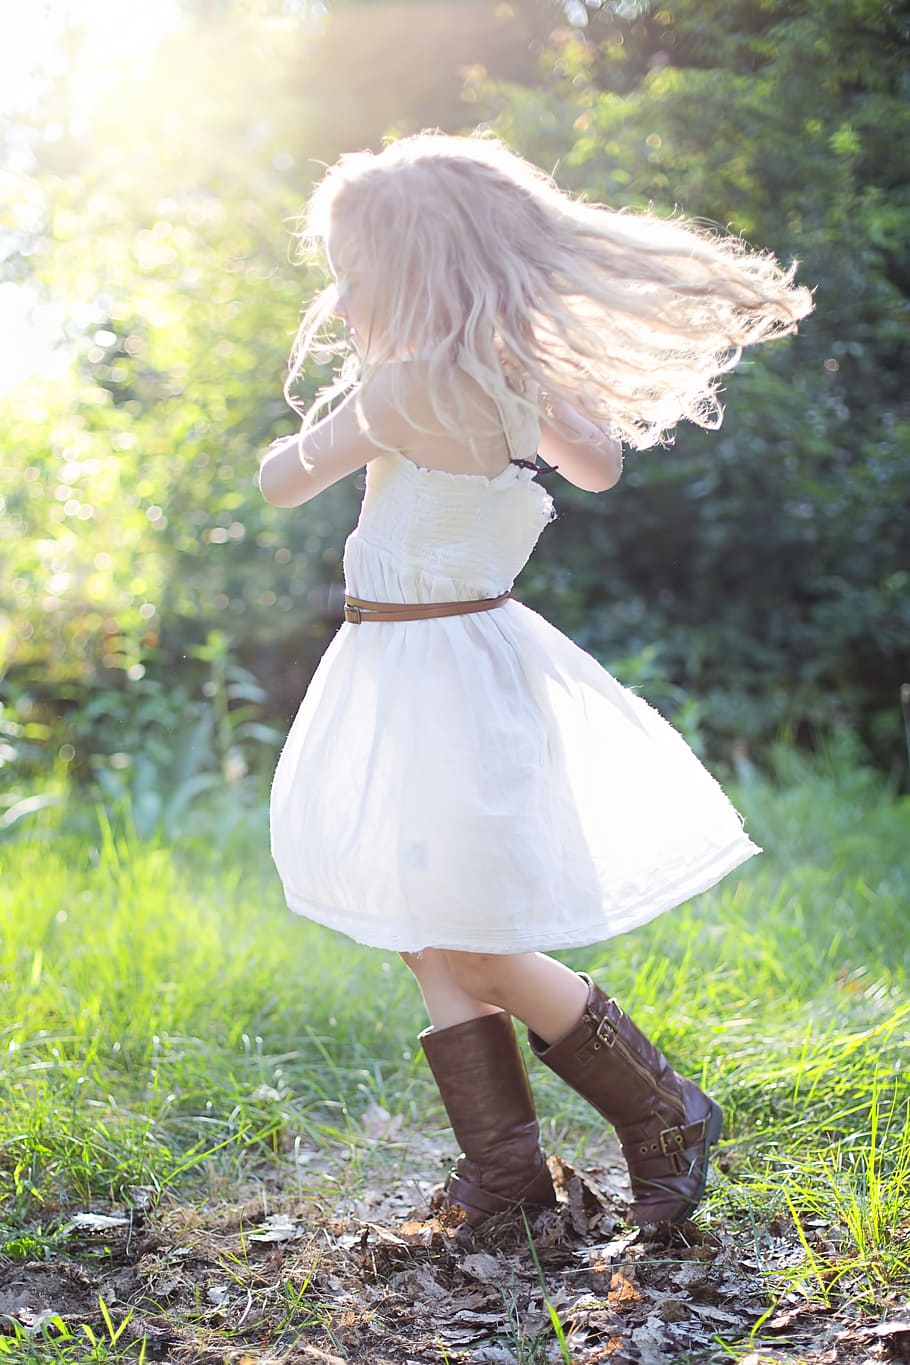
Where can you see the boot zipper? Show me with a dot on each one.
(642, 1070)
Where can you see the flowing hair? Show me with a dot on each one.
(480, 261)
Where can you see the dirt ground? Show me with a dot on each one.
(320, 1277)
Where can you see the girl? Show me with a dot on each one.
(462, 783)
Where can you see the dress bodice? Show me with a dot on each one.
(426, 535)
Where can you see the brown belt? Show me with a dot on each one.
(356, 610)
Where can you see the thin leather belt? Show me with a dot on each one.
(356, 610)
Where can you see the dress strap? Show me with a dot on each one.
(539, 466)
(508, 432)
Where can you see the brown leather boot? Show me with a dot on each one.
(484, 1086)
(665, 1124)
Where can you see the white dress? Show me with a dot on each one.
(479, 782)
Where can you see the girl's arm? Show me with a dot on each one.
(586, 454)
(332, 449)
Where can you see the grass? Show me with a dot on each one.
(168, 1027)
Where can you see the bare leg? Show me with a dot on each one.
(446, 1001)
(546, 996)
(474, 1055)
(665, 1123)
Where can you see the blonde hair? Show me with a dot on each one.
(483, 262)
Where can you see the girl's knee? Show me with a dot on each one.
(480, 974)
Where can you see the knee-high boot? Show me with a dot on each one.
(484, 1086)
(666, 1125)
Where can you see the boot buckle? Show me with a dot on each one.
(606, 1033)
(671, 1141)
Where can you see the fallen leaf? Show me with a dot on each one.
(484, 1267)
(377, 1123)
(98, 1222)
(277, 1227)
(705, 1310)
(493, 1354)
(673, 1310)
(621, 1290)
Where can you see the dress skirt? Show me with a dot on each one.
(479, 782)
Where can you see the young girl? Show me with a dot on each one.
(462, 783)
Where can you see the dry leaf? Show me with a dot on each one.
(484, 1267)
(278, 1227)
(98, 1222)
(673, 1310)
(705, 1310)
(493, 1354)
(622, 1291)
(377, 1123)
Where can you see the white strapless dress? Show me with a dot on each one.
(479, 782)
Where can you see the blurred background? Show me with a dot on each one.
(159, 621)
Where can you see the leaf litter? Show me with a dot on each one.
(391, 1277)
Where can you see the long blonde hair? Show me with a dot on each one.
(484, 263)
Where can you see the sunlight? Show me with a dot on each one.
(86, 43)
(87, 46)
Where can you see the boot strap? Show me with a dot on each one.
(469, 1195)
(472, 1196)
(669, 1144)
(461, 1189)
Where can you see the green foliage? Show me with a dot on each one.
(769, 561)
(133, 524)
(162, 758)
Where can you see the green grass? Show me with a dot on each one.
(167, 1024)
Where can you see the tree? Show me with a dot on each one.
(768, 561)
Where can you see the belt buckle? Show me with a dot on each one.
(352, 614)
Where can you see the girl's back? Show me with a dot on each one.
(487, 436)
